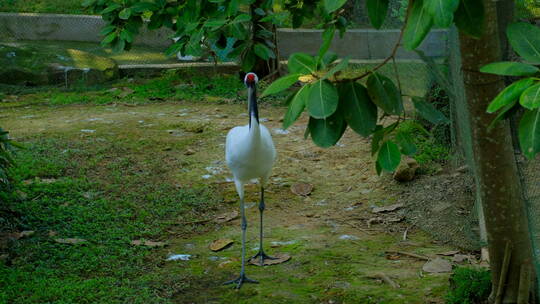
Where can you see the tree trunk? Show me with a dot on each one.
(495, 164)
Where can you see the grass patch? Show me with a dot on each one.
(430, 150)
(102, 195)
(42, 6)
(171, 85)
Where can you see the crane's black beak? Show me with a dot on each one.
(252, 102)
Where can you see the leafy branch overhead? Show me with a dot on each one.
(525, 93)
(199, 26)
(373, 108)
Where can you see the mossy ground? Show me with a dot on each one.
(121, 172)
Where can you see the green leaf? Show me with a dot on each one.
(405, 143)
(360, 113)
(333, 5)
(126, 35)
(108, 39)
(119, 46)
(327, 36)
(376, 139)
(241, 18)
(297, 106)
(508, 68)
(281, 84)
(215, 23)
(329, 58)
(377, 10)
(263, 51)
(509, 94)
(174, 48)
(378, 168)
(427, 111)
(125, 13)
(323, 99)
(530, 98)
(141, 7)
(418, 25)
(389, 156)
(529, 133)
(326, 132)
(106, 30)
(338, 67)
(232, 9)
(469, 17)
(110, 8)
(384, 94)
(248, 61)
(238, 31)
(301, 63)
(525, 40)
(504, 113)
(442, 11)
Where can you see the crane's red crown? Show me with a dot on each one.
(251, 78)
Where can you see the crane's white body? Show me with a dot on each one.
(250, 154)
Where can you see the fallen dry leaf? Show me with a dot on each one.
(147, 243)
(437, 265)
(387, 208)
(302, 189)
(220, 244)
(224, 264)
(70, 241)
(226, 217)
(279, 258)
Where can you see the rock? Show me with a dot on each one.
(406, 170)
(437, 265)
(189, 152)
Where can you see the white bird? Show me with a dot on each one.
(250, 154)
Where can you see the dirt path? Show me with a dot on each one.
(335, 255)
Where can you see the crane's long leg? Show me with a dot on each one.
(242, 278)
(261, 254)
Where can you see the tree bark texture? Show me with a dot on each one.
(493, 154)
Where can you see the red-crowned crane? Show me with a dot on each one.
(250, 154)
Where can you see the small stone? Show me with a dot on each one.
(189, 152)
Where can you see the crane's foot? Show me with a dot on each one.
(241, 280)
(260, 258)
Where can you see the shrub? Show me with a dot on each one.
(469, 286)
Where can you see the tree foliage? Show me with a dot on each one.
(525, 40)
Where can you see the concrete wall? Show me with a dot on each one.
(360, 44)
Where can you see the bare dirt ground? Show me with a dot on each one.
(339, 246)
